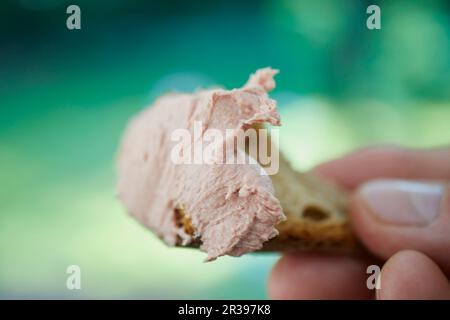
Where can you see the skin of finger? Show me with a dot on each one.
(384, 240)
(387, 162)
(307, 276)
(412, 275)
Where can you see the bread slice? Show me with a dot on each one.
(223, 209)
(316, 212)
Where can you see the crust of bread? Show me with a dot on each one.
(315, 209)
(316, 213)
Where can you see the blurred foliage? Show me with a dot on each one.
(66, 96)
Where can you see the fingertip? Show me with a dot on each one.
(366, 229)
(385, 234)
(412, 275)
(275, 281)
(308, 276)
(285, 280)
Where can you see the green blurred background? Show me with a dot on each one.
(65, 97)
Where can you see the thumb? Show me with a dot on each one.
(393, 215)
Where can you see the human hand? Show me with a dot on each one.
(400, 210)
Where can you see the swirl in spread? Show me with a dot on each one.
(231, 207)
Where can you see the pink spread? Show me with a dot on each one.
(232, 207)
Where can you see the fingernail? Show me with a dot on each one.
(403, 202)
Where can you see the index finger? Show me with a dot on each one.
(386, 162)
